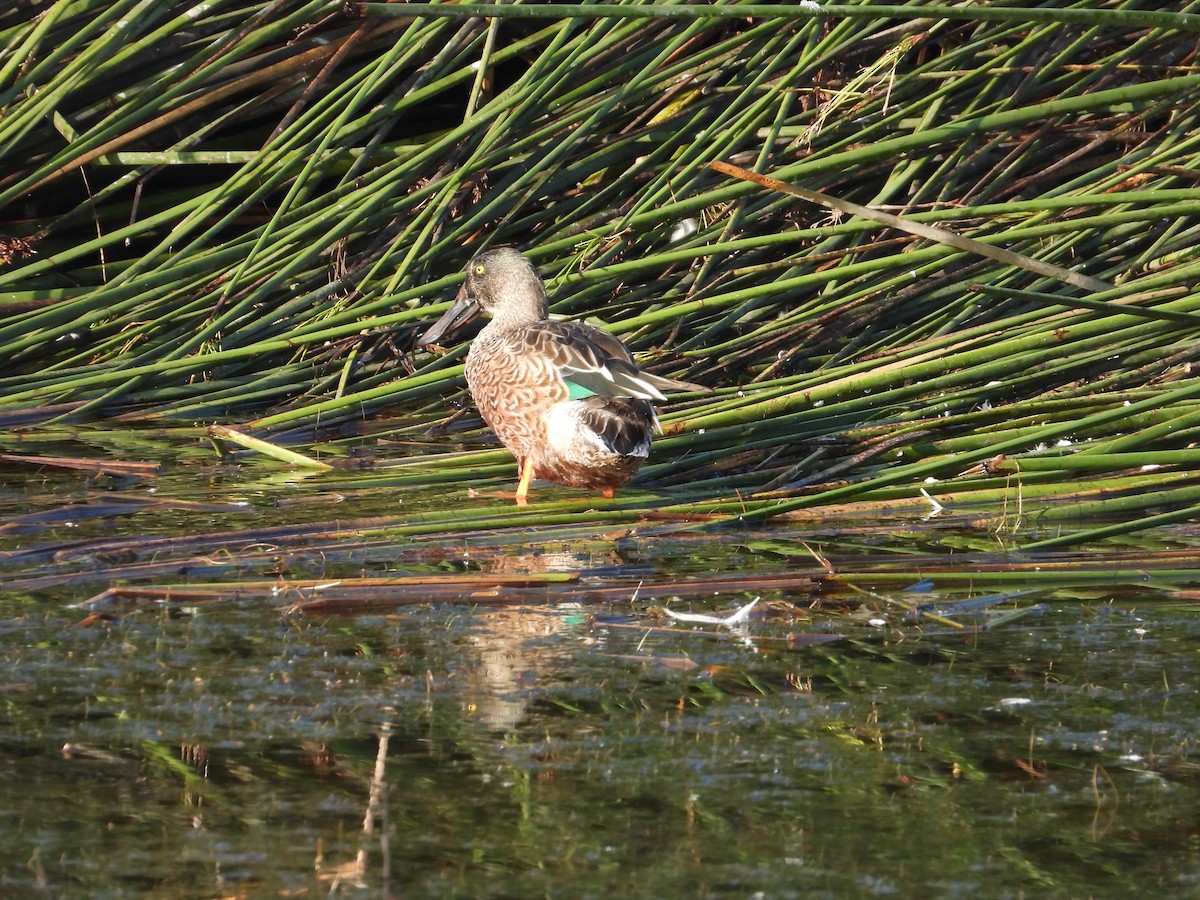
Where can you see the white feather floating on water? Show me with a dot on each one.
(737, 617)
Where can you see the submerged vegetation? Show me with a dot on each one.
(244, 213)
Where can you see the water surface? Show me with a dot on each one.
(566, 737)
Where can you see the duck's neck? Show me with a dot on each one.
(524, 304)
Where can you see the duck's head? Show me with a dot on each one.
(502, 284)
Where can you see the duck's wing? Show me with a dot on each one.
(593, 362)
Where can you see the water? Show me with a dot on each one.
(567, 738)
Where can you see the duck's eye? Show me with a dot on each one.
(479, 269)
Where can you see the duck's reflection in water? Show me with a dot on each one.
(521, 648)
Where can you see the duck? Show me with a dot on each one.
(565, 398)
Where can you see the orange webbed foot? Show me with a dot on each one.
(523, 486)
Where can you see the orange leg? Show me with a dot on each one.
(608, 493)
(526, 478)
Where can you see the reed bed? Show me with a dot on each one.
(244, 212)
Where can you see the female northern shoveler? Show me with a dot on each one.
(566, 398)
